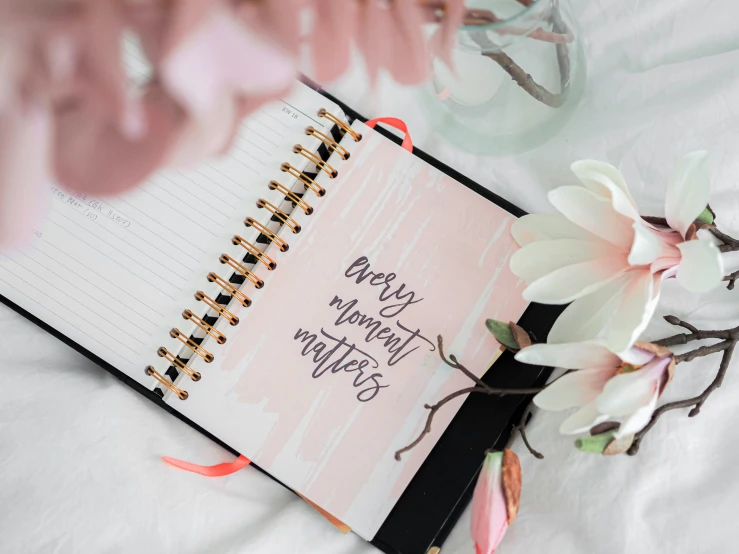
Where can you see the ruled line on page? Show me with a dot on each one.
(165, 228)
(68, 294)
(204, 200)
(111, 259)
(69, 309)
(162, 266)
(46, 256)
(52, 312)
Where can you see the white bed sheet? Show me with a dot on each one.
(79, 452)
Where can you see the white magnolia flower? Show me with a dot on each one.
(605, 259)
(605, 386)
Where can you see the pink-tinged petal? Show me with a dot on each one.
(646, 247)
(628, 392)
(372, 37)
(594, 213)
(445, 38)
(636, 356)
(572, 282)
(92, 155)
(605, 180)
(701, 265)
(575, 389)
(576, 355)
(221, 54)
(638, 302)
(495, 500)
(541, 258)
(688, 191)
(334, 28)
(582, 420)
(409, 62)
(537, 227)
(274, 19)
(587, 316)
(25, 137)
(665, 263)
(638, 420)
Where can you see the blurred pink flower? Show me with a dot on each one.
(604, 386)
(68, 113)
(605, 259)
(495, 500)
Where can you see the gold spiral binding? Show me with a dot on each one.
(279, 214)
(336, 121)
(175, 333)
(179, 364)
(277, 241)
(330, 143)
(213, 305)
(315, 159)
(205, 326)
(243, 299)
(241, 270)
(151, 372)
(268, 262)
(303, 178)
(294, 198)
(260, 256)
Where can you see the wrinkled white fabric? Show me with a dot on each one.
(79, 452)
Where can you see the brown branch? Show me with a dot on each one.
(696, 402)
(480, 387)
(524, 80)
(731, 278)
(520, 427)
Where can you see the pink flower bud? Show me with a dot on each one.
(495, 501)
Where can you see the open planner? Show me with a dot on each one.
(286, 299)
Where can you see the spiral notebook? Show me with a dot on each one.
(286, 299)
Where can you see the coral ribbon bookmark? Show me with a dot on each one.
(228, 468)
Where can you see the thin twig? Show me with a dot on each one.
(696, 402)
(520, 427)
(480, 387)
(731, 278)
(432, 412)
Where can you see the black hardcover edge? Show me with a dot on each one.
(439, 492)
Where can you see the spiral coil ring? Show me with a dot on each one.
(206, 324)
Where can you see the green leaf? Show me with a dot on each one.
(502, 332)
(596, 444)
(706, 216)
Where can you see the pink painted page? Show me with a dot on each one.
(327, 373)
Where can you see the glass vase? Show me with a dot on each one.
(516, 77)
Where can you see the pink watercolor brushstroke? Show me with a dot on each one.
(450, 247)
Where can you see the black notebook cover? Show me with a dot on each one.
(441, 489)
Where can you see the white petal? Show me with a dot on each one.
(574, 355)
(574, 389)
(582, 420)
(566, 284)
(637, 306)
(587, 316)
(701, 265)
(688, 191)
(624, 394)
(541, 258)
(636, 356)
(536, 227)
(594, 213)
(606, 180)
(638, 420)
(646, 247)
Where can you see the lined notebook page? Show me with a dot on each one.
(115, 274)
